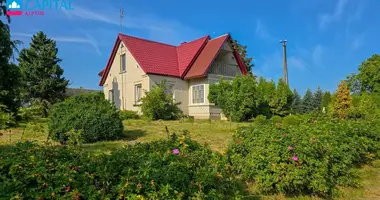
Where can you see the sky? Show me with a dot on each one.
(327, 39)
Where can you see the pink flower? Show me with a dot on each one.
(175, 151)
(295, 158)
(290, 147)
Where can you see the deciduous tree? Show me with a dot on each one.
(242, 50)
(280, 102)
(369, 74)
(326, 100)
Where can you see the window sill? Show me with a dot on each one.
(136, 104)
(122, 72)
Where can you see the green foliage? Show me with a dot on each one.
(353, 83)
(291, 120)
(281, 100)
(260, 120)
(326, 99)
(41, 73)
(156, 104)
(237, 99)
(244, 98)
(141, 171)
(343, 101)
(296, 106)
(94, 116)
(242, 50)
(128, 114)
(369, 74)
(275, 119)
(314, 157)
(31, 112)
(317, 99)
(307, 102)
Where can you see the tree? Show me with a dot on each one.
(237, 99)
(9, 72)
(157, 104)
(369, 74)
(242, 50)
(42, 76)
(264, 95)
(280, 103)
(366, 106)
(353, 83)
(317, 99)
(297, 103)
(343, 101)
(307, 102)
(326, 100)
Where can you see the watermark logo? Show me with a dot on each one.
(36, 7)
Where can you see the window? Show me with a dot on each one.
(123, 63)
(170, 90)
(110, 95)
(198, 93)
(138, 93)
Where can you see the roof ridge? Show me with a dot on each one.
(220, 36)
(147, 40)
(205, 36)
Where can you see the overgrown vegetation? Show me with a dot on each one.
(311, 158)
(177, 168)
(158, 104)
(128, 114)
(91, 114)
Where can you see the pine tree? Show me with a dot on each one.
(342, 101)
(317, 99)
(326, 100)
(42, 76)
(307, 102)
(297, 103)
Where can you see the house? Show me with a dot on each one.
(137, 64)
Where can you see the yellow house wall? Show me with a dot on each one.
(180, 89)
(124, 85)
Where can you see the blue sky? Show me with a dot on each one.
(327, 39)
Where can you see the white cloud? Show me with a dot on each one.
(317, 55)
(262, 32)
(163, 30)
(83, 40)
(328, 18)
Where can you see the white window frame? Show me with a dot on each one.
(193, 99)
(121, 62)
(138, 93)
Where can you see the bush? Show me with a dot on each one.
(158, 105)
(275, 119)
(260, 119)
(291, 120)
(168, 169)
(312, 158)
(31, 112)
(128, 114)
(95, 117)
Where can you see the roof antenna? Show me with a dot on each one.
(121, 20)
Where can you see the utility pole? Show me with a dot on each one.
(121, 20)
(283, 42)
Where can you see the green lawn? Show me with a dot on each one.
(216, 134)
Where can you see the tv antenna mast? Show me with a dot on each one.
(121, 19)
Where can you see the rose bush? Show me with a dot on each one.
(169, 169)
(313, 158)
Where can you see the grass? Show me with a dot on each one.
(216, 134)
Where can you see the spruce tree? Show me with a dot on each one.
(307, 102)
(9, 72)
(42, 76)
(317, 100)
(297, 103)
(343, 101)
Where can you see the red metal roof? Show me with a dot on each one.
(188, 60)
